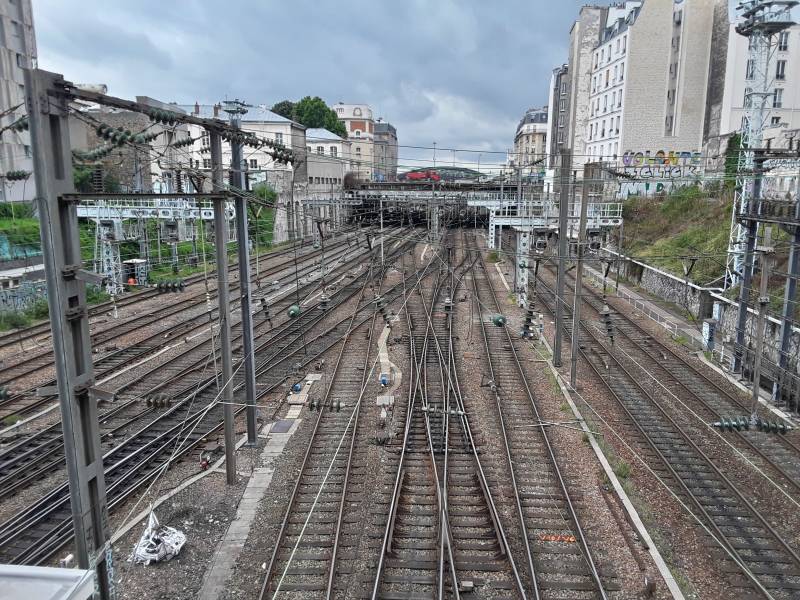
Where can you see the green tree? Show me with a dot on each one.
(313, 113)
(732, 160)
(284, 108)
(82, 178)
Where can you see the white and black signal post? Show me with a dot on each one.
(48, 113)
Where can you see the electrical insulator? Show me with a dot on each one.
(324, 302)
(499, 320)
(293, 312)
(20, 124)
(17, 175)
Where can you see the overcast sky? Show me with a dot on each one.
(459, 73)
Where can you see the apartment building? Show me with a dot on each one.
(17, 51)
(360, 125)
(329, 160)
(385, 150)
(783, 104)
(530, 139)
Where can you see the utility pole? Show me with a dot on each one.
(791, 287)
(766, 251)
(381, 205)
(576, 304)
(221, 247)
(236, 109)
(563, 214)
(746, 275)
(48, 113)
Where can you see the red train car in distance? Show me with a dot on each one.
(428, 175)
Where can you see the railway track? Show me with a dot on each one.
(37, 455)
(303, 559)
(557, 552)
(680, 378)
(443, 536)
(755, 558)
(36, 532)
(33, 361)
(17, 337)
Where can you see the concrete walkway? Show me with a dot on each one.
(229, 548)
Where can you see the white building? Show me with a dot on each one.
(608, 84)
(530, 139)
(784, 83)
(656, 89)
(259, 165)
(329, 160)
(360, 125)
(17, 51)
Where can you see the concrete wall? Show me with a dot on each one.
(703, 303)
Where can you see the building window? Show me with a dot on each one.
(780, 70)
(621, 71)
(316, 180)
(748, 99)
(320, 150)
(777, 98)
(619, 99)
(308, 149)
(206, 163)
(605, 103)
(624, 43)
(358, 152)
(27, 149)
(279, 138)
(560, 120)
(750, 69)
(775, 121)
(562, 105)
(357, 132)
(607, 73)
(333, 151)
(196, 164)
(253, 163)
(20, 61)
(616, 130)
(783, 41)
(563, 87)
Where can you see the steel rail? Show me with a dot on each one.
(721, 537)
(580, 535)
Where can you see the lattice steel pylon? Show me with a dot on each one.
(761, 21)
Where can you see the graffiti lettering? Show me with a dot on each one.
(660, 157)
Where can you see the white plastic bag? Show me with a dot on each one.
(157, 543)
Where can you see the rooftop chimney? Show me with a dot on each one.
(216, 110)
(196, 108)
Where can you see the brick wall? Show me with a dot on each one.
(122, 162)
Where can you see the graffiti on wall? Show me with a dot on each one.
(657, 172)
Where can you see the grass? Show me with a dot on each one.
(686, 223)
(493, 256)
